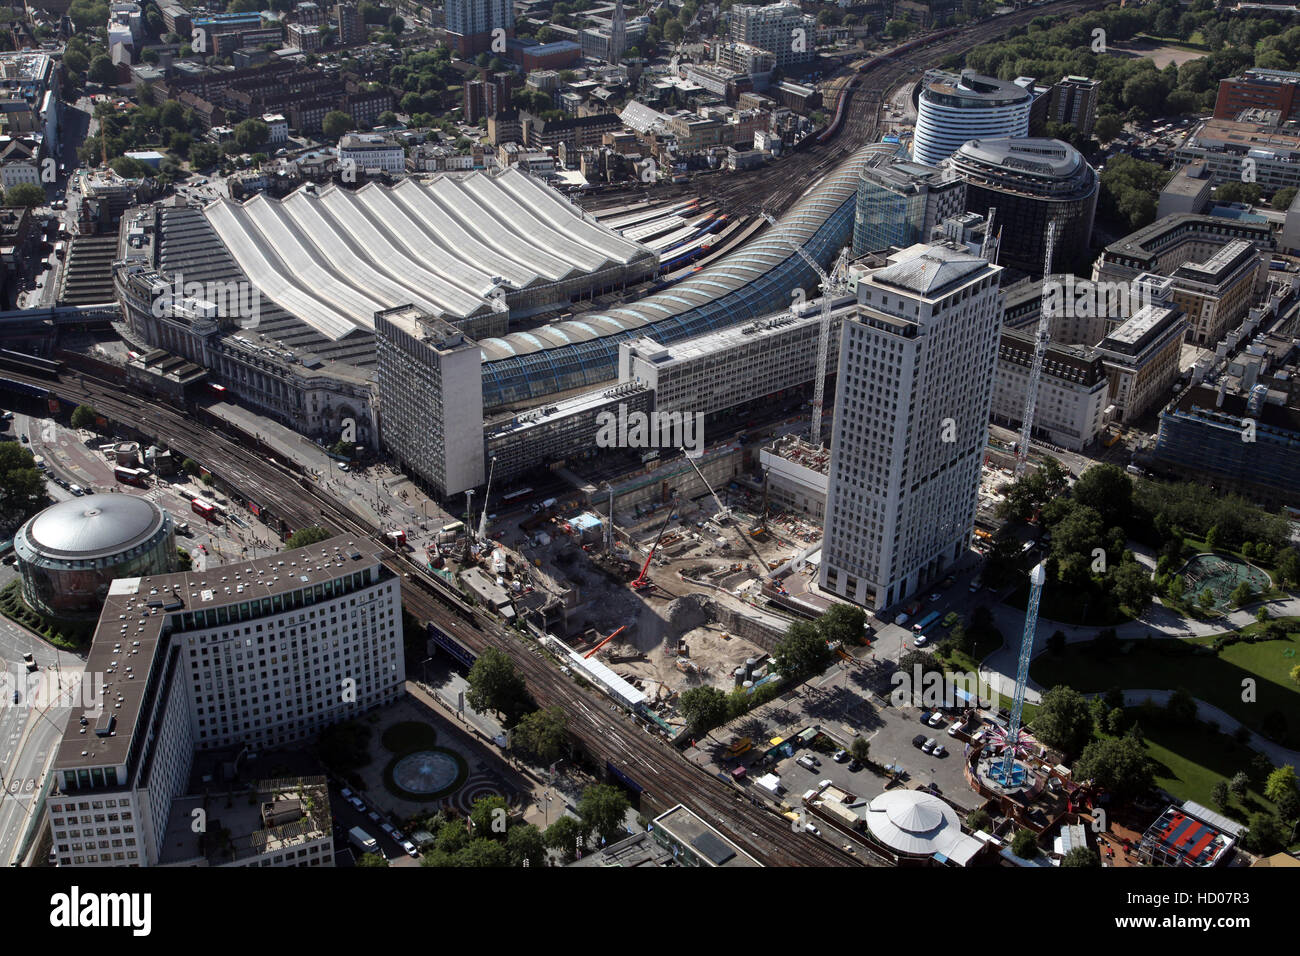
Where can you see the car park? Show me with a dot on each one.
(928, 746)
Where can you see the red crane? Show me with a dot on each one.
(642, 582)
(604, 642)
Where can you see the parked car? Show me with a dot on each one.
(30, 662)
(809, 828)
(374, 815)
(925, 716)
(357, 803)
(807, 762)
(937, 750)
(918, 740)
(935, 597)
(389, 829)
(928, 746)
(921, 640)
(854, 766)
(841, 756)
(410, 849)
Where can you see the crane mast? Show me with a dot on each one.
(1042, 337)
(830, 286)
(483, 518)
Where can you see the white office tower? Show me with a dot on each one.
(952, 109)
(912, 398)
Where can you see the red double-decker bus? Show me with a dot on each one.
(132, 476)
(204, 509)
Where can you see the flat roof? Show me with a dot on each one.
(685, 826)
(129, 640)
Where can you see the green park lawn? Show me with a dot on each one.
(1216, 679)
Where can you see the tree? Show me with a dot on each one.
(103, 71)
(335, 124)
(75, 61)
(1116, 721)
(674, 31)
(845, 623)
(1243, 593)
(542, 734)
(1263, 834)
(1024, 844)
(312, 534)
(1206, 599)
(801, 652)
(1280, 782)
(495, 685)
(190, 466)
(1106, 489)
(1064, 720)
(602, 808)
(371, 859)
(567, 837)
(525, 845)
(703, 707)
(387, 118)
(396, 24)
(860, 749)
(485, 812)
(1081, 856)
(978, 820)
(251, 134)
(1119, 765)
(1181, 707)
(24, 194)
(1219, 794)
(1239, 784)
(22, 486)
(83, 416)
(1131, 584)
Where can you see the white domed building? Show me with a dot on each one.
(70, 552)
(918, 825)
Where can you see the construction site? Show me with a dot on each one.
(669, 597)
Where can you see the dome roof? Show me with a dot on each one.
(94, 526)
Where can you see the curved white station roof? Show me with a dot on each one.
(335, 257)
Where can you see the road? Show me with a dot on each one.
(30, 728)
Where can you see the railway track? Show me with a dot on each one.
(778, 185)
(605, 731)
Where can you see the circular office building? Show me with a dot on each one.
(70, 552)
(953, 108)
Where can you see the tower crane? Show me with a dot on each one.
(483, 518)
(831, 285)
(1041, 338)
